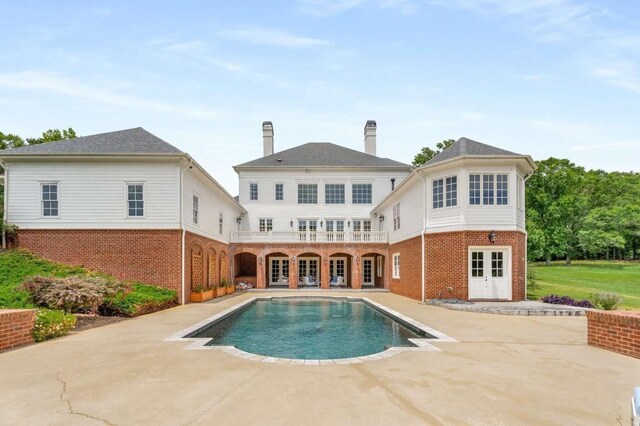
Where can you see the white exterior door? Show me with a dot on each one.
(337, 268)
(279, 271)
(367, 271)
(490, 273)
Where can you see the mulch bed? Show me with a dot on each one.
(86, 322)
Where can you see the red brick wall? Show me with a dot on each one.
(410, 282)
(15, 327)
(149, 256)
(221, 261)
(615, 331)
(447, 262)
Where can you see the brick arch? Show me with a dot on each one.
(364, 252)
(255, 252)
(284, 251)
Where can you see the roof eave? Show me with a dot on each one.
(528, 158)
(89, 154)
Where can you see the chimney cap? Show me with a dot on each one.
(370, 123)
(267, 123)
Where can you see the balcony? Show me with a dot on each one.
(308, 237)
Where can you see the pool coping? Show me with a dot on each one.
(421, 344)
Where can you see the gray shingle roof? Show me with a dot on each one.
(128, 142)
(322, 154)
(467, 147)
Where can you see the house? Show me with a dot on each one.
(316, 215)
(127, 203)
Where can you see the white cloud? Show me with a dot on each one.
(324, 8)
(271, 37)
(59, 84)
(192, 47)
(622, 74)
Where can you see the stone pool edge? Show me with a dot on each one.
(199, 343)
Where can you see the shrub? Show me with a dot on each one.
(607, 300)
(52, 323)
(71, 294)
(138, 300)
(532, 282)
(566, 300)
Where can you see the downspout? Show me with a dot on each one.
(6, 205)
(526, 238)
(184, 231)
(424, 230)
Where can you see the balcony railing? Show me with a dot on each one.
(308, 237)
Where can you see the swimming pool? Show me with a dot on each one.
(310, 328)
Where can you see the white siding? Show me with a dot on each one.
(212, 201)
(92, 194)
(287, 210)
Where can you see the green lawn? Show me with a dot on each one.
(585, 277)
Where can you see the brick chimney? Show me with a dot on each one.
(370, 137)
(267, 138)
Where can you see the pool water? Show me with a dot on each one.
(309, 329)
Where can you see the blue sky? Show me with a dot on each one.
(543, 77)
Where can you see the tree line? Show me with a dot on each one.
(574, 213)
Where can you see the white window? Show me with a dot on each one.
(379, 266)
(50, 199)
(361, 193)
(307, 193)
(135, 199)
(279, 191)
(520, 193)
(196, 203)
(502, 190)
(396, 265)
(334, 194)
(220, 222)
(451, 191)
(494, 189)
(438, 193)
(396, 216)
(253, 191)
(474, 190)
(266, 224)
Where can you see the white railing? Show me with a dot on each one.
(308, 237)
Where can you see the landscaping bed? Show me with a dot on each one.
(72, 298)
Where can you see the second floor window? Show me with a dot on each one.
(491, 189)
(474, 190)
(135, 200)
(487, 190)
(196, 206)
(451, 191)
(253, 191)
(266, 225)
(279, 191)
(334, 194)
(361, 193)
(438, 193)
(307, 193)
(50, 199)
(502, 198)
(396, 217)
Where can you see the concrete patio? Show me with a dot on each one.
(505, 370)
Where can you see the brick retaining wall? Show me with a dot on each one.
(15, 327)
(615, 331)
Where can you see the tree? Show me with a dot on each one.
(427, 153)
(53, 135)
(556, 194)
(10, 141)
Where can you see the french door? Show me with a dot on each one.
(367, 271)
(279, 271)
(337, 268)
(307, 229)
(490, 273)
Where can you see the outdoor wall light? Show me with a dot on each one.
(320, 223)
(260, 260)
(291, 223)
(349, 223)
(239, 219)
(381, 218)
(492, 237)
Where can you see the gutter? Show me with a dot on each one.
(184, 231)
